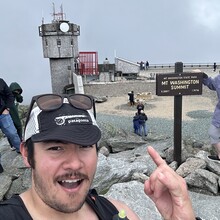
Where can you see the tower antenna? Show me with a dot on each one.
(58, 16)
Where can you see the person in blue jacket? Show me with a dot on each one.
(143, 131)
(214, 130)
(136, 124)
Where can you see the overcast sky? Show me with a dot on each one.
(160, 31)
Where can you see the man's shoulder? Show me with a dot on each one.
(14, 209)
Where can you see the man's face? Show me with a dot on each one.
(63, 174)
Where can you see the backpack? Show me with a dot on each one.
(142, 118)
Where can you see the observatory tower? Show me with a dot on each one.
(60, 45)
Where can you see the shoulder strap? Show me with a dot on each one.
(12, 201)
(14, 209)
(104, 209)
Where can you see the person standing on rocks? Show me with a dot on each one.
(143, 131)
(214, 130)
(6, 122)
(147, 65)
(136, 124)
(131, 98)
(16, 91)
(60, 147)
(214, 67)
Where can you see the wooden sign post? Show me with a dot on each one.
(178, 84)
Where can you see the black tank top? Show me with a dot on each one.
(14, 208)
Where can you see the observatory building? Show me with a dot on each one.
(60, 45)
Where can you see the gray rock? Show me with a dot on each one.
(117, 171)
(118, 143)
(105, 151)
(140, 177)
(5, 181)
(108, 172)
(139, 202)
(101, 99)
(204, 180)
(190, 164)
(213, 167)
(205, 206)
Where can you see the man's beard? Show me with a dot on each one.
(51, 199)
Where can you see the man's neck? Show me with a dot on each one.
(38, 210)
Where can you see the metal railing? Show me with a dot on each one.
(186, 65)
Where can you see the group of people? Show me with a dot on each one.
(10, 123)
(139, 120)
(144, 65)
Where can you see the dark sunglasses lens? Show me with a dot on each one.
(49, 102)
(81, 101)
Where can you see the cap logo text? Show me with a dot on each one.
(69, 119)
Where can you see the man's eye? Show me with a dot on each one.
(89, 146)
(55, 148)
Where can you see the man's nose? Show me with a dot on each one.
(72, 160)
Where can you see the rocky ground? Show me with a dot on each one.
(196, 115)
(196, 111)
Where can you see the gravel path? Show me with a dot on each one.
(194, 129)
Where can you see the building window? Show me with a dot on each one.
(58, 42)
(46, 43)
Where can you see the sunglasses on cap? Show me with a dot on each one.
(50, 102)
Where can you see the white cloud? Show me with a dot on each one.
(207, 13)
(159, 31)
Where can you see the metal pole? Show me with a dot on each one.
(178, 120)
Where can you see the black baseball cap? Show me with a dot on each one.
(67, 124)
